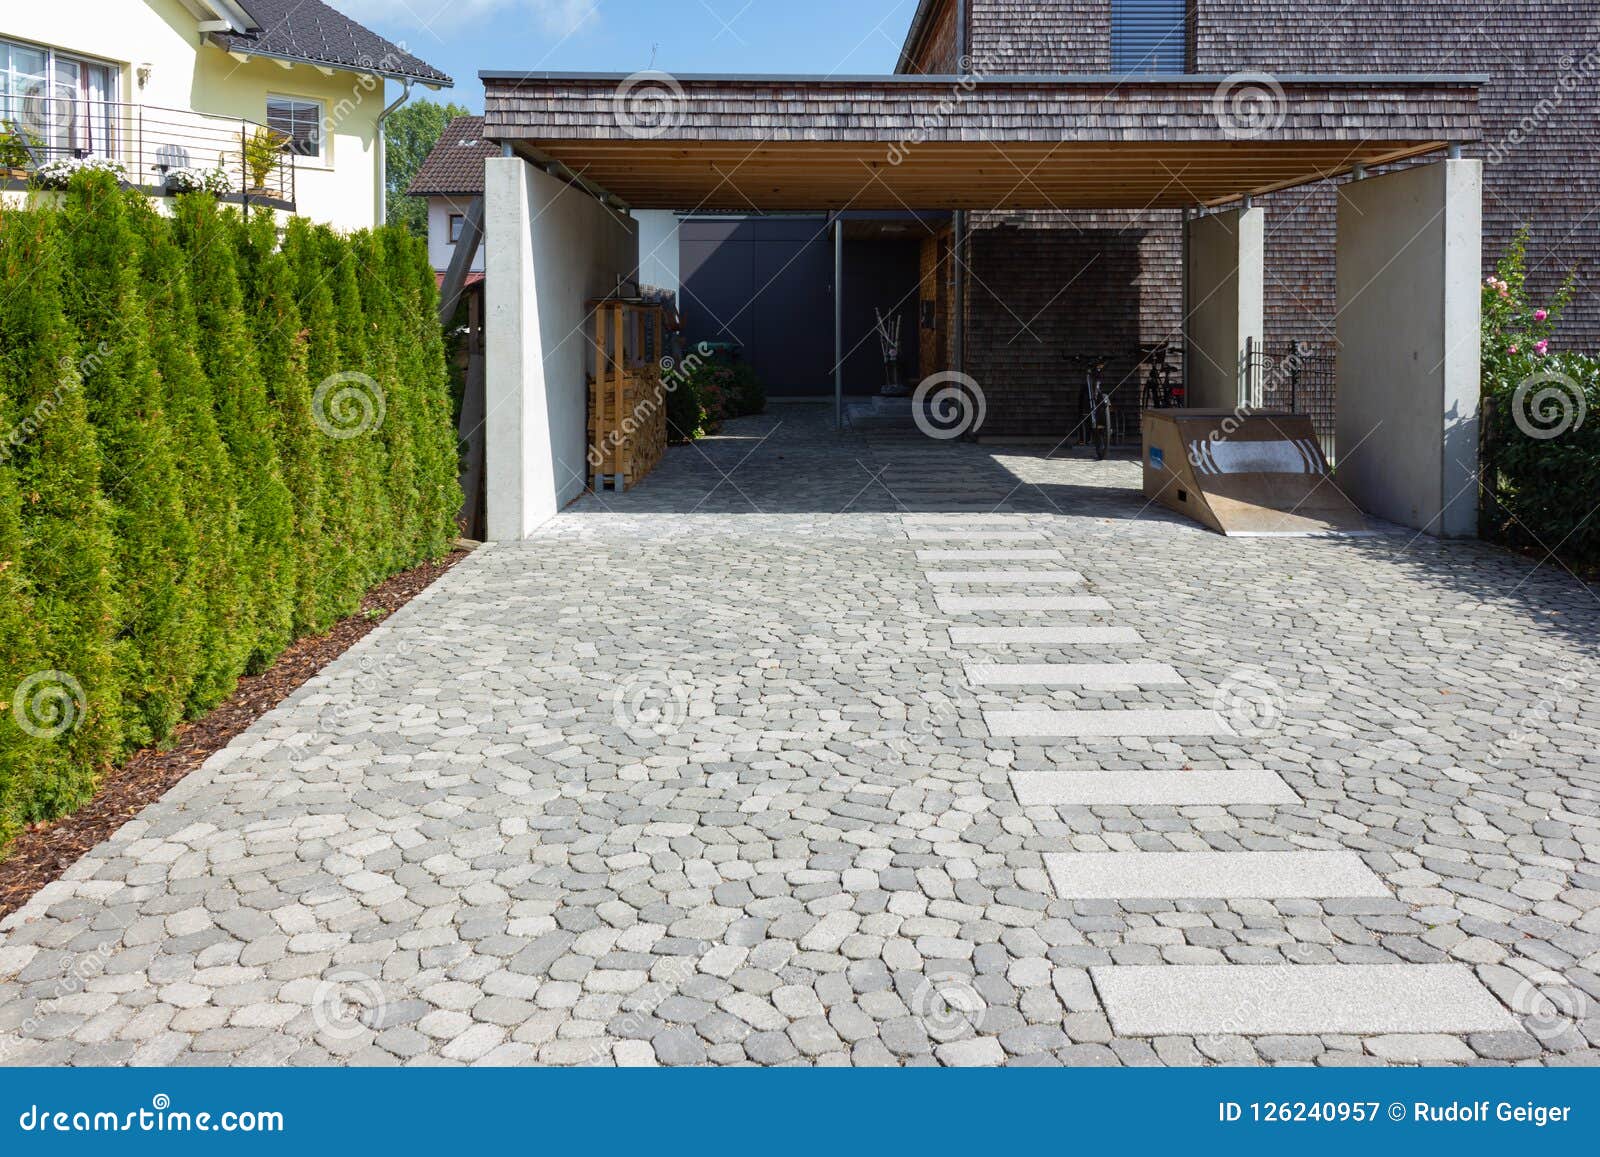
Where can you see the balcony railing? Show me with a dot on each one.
(150, 142)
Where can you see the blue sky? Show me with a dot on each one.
(812, 36)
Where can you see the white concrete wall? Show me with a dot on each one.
(551, 250)
(658, 248)
(1226, 302)
(440, 251)
(190, 73)
(1410, 252)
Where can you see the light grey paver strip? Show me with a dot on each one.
(1071, 674)
(968, 535)
(1044, 723)
(1030, 604)
(1043, 636)
(1069, 578)
(1211, 875)
(989, 556)
(1144, 788)
(1256, 1000)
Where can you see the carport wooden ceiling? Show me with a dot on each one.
(777, 143)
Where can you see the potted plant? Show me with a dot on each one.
(15, 159)
(58, 174)
(262, 152)
(195, 180)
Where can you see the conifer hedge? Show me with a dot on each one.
(215, 435)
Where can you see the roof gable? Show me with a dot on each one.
(454, 166)
(311, 32)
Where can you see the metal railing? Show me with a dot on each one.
(149, 141)
(1299, 377)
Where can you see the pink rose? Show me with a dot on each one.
(1512, 348)
(1542, 346)
(1540, 314)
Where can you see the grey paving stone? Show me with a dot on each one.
(1228, 875)
(1265, 999)
(1142, 788)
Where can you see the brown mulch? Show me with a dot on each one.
(42, 853)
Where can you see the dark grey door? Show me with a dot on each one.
(766, 283)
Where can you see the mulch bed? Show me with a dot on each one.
(42, 853)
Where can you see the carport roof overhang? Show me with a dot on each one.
(946, 142)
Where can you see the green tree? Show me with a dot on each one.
(227, 349)
(71, 699)
(155, 650)
(221, 603)
(19, 754)
(281, 348)
(409, 135)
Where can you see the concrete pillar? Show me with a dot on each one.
(658, 249)
(1410, 254)
(1226, 276)
(550, 249)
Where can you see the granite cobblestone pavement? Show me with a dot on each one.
(781, 758)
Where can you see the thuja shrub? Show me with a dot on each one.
(215, 434)
(60, 705)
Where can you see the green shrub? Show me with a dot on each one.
(685, 415)
(216, 586)
(228, 354)
(153, 550)
(70, 699)
(1541, 433)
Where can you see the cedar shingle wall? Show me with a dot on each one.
(1550, 178)
(938, 50)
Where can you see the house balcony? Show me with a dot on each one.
(161, 150)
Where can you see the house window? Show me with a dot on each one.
(299, 122)
(1150, 36)
(65, 104)
(457, 222)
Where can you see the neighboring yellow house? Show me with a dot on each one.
(279, 102)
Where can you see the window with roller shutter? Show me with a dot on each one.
(1150, 36)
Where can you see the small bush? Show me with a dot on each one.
(1541, 433)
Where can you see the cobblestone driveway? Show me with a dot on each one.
(877, 750)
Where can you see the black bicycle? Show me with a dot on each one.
(1161, 392)
(1096, 402)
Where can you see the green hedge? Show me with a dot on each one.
(1541, 429)
(213, 440)
(1542, 458)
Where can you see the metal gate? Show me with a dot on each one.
(1300, 377)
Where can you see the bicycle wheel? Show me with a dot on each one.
(1102, 430)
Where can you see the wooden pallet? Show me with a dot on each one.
(627, 404)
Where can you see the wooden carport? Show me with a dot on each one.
(1204, 144)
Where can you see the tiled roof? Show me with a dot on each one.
(311, 31)
(455, 166)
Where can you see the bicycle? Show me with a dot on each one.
(1160, 393)
(1097, 403)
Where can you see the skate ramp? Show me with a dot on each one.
(1245, 474)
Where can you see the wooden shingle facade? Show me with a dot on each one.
(1078, 275)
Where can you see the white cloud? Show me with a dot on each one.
(551, 17)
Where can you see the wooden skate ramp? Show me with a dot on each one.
(1245, 473)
